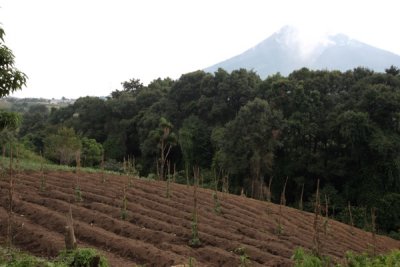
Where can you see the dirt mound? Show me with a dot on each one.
(157, 229)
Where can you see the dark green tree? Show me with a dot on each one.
(11, 80)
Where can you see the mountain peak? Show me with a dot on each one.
(292, 48)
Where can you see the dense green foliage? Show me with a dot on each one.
(83, 257)
(341, 128)
(304, 259)
(11, 79)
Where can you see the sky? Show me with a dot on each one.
(75, 48)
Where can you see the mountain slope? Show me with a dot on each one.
(288, 50)
(158, 229)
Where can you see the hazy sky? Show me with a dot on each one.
(76, 48)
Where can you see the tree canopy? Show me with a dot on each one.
(341, 128)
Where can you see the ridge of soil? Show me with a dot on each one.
(158, 229)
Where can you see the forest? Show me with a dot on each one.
(247, 135)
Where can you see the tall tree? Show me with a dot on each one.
(11, 80)
(249, 141)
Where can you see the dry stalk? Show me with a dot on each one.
(261, 196)
(351, 218)
(10, 199)
(283, 197)
(269, 189)
(42, 177)
(326, 220)
(167, 194)
(103, 177)
(17, 165)
(174, 174)
(124, 211)
(374, 242)
(195, 241)
(317, 210)
(70, 240)
(78, 161)
(301, 198)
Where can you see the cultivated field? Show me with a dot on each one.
(157, 230)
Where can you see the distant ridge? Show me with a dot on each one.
(287, 50)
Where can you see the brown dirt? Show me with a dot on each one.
(158, 230)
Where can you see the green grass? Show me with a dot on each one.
(306, 259)
(34, 164)
(81, 257)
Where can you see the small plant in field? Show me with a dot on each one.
(78, 193)
(42, 183)
(192, 262)
(124, 211)
(304, 259)
(243, 257)
(217, 205)
(195, 241)
(279, 228)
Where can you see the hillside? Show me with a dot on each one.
(290, 49)
(158, 229)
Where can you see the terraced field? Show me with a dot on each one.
(158, 229)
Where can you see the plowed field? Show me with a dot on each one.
(158, 229)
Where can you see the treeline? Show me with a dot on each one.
(253, 134)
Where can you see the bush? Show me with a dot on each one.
(84, 257)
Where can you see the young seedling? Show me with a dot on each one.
(78, 193)
(243, 257)
(124, 211)
(192, 262)
(217, 205)
(195, 241)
